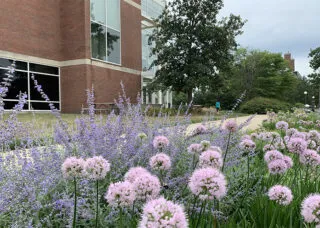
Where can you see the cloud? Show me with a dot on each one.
(279, 26)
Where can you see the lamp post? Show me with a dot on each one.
(313, 103)
(305, 97)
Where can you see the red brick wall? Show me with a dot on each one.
(75, 29)
(31, 27)
(131, 36)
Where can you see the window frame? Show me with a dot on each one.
(29, 73)
(106, 28)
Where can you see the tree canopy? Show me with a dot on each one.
(315, 59)
(192, 45)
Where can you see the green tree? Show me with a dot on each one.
(315, 65)
(192, 45)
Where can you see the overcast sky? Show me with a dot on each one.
(279, 26)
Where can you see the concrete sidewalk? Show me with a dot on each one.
(254, 124)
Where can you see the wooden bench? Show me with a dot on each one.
(102, 108)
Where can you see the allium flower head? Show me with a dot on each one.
(310, 157)
(160, 142)
(120, 194)
(97, 168)
(199, 129)
(291, 131)
(301, 135)
(216, 148)
(272, 155)
(254, 136)
(288, 161)
(247, 144)
(231, 126)
(310, 208)
(282, 125)
(268, 147)
(135, 172)
(160, 162)
(278, 166)
(208, 183)
(73, 168)
(205, 145)
(195, 148)
(281, 194)
(211, 159)
(160, 213)
(245, 137)
(142, 136)
(311, 144)
(146, 187)
(313, 135)
(297, 145)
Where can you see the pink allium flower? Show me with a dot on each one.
(247, 145)
(286, 139)
(199, 129)
(313, 135)
(288, 161)
(195, 148)
(208, 183)
(267, 136)
(163, 213)
(160, 162)
(310, 208)
(121, 194)
(291, 131)
(310, 157)
(216, 148)
(281, 194)
(134, 173)
(146, 186)
(211, 159)
(311, 144)
(297, 145)
(205, 145)
(73, 168)
(268, 147)
(97, 168)
(231, 126)
(272, 155)
(254, 136)
(160, 142)
(282, 125)
(301, 135)
(246, 137)
(278, 166)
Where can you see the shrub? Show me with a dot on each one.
(261, 105)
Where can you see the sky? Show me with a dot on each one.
(279, 26)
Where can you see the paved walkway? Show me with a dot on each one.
(254, 124)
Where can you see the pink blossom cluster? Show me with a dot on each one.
(291, 131)
(268, 147)
(246, 137)
(231, 126)
(145, 185)
(160, 142)
(208, 183)
(210, 158)
(205, 145)
(216, 148)
(97, 168)
(311, 144)
(160, 161)
(310, 157)
(281, 194)
(282, 125)
(301, 135)
(247, 145)
(254, 136)
(297, 145)
(121, 194)
(310, 208)
(277, 162)
(195, 148)
(73, 168)
(163, 213)
(199, 129)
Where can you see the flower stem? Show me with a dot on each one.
(97, 203)
(248, 173)
(225, 155)
(75, 203)
(203, 208)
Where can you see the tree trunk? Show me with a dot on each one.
(189, 93)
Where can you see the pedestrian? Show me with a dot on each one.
(218, 106)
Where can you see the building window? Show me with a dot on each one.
(105, 30)
(47, 76)
(152, 8)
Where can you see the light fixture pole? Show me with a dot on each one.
(305, 97)
(313, 103)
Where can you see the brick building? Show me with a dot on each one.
(291, 61)
(72, 45)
